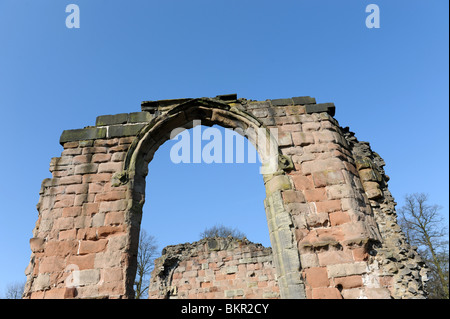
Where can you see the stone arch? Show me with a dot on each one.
(211, 112)
(331, 217)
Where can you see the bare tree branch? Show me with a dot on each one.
(147, 252)
(424, 228)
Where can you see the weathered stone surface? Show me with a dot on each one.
(223, 274)
(139, 117)
(124, 130)
(331, 217)
(304, 100)
(318, 108)
(282, 102)
(104, 120)
(82, 134)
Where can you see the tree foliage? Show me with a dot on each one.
(222, 231)
(424, 228)
(147, 252)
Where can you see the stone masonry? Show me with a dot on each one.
(215, 268)
(331, 218)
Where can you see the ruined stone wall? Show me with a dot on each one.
(330, 215)
(400, 266)
(215, 268)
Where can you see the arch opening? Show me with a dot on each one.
(161, 129)
(199, 196)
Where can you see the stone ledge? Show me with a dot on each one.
(319, 108)
(303, 100)
(123, 118)
(124, 130)
(83, 134)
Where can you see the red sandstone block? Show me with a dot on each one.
(67, 234)
(205, 284)
(37, 295)
(71, 211)
(70, 292)
(37, 244)
(126, 140)
(316, 277)
(302, 139)
(335, 257)
(315, 195)
(349, 282)
(111, 288)
(87, 234)
(94, 150)
(328, 206)
(105, 231)
(302, 182)
(119, 148)
(360, 254)
(90, 246)
(377, 293)
(328, 177)
(64, 200)
(81, 159)
(63, 223)
(118, 157)
(97, 178)
(60, 248)
(77, 189)
(113, 206)
(71, 152)
(82, 262)
(386, 281)
(326, 293)
(70, 145)
(297, 127)
(90, 208)
(55, 293)
(331, 164)
(101, 158)
(110, 196)
(114, 218)
(108, 142)
(292, 196)
(339, 218)
(96, 188)
(51, 264)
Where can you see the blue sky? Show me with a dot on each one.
(390, 86)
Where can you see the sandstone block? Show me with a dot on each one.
(302, 139)
(325, 178)
(326, 293)
(315, 195)
(335, 257)
(343, 270)
(301, 182)
(277, 183)
(292, 196)
(317, 277)
(339, 218)
(101, 158)
(328, 206)
(37, 244)
(349, 282)
(89, 277)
